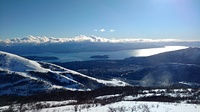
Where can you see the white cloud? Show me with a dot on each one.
(112, 30)
(83, 38)
(102, 30)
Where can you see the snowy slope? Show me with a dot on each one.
(16, 63)
(122, 106)
(129, 106)
(23, 77)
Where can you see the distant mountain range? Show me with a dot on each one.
(21, 76)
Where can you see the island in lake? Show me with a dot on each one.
(100, 56)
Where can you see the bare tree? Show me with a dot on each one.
(121, 109)
(76, 108)
(146, 108)
(111, 109)
(133, 109)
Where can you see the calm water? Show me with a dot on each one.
(83, 56)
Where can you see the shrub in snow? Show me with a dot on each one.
(111, 109)
(121, 109)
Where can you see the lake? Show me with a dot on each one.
(83, 56)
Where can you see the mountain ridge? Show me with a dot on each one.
(23, 76)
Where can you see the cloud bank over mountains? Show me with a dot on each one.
(83, 38)
(82, 43)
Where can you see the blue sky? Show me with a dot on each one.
(154, 19)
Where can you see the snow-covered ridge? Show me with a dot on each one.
(16, 63)
(83, 38)
(21, 73)
(107, 96)
(113, 82)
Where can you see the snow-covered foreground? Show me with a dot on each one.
(128, 106)
(122, 106)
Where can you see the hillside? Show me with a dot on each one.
(25, 77)
(104, 100)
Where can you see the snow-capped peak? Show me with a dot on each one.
(16, 63)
